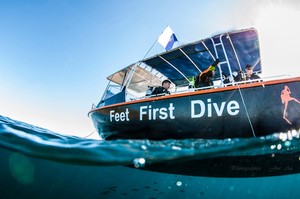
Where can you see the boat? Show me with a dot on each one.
(226, 109)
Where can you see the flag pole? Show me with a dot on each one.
(153, 44)
(150, 49)
(134, 67)
(140, 62)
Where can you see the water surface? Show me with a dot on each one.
(39, 163)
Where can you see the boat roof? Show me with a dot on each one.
(235, 50)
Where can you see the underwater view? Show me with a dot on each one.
(39, 163)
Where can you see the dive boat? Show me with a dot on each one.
(226, 109)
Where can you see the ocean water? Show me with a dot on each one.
(38, 163)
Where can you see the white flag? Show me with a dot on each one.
(167, 38)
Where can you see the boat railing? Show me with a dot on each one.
(263, 79)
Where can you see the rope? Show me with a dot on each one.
(89, 134)
(249, 120)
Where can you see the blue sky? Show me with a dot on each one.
(55, 55)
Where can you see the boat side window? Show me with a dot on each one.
(111, 91)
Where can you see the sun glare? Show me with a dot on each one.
(279, 31)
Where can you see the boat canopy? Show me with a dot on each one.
(234, 49)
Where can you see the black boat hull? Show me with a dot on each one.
(240, 111)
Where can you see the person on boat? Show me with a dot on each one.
(205, 78)
(163, 89)
(239, 76)
(249, 75)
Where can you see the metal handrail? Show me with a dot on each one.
(215, 86)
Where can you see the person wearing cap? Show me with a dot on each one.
(205, 78)
(249, 73)
(163, 89)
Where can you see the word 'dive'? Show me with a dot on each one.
(200, 109)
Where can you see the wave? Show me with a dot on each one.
(153, 155)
